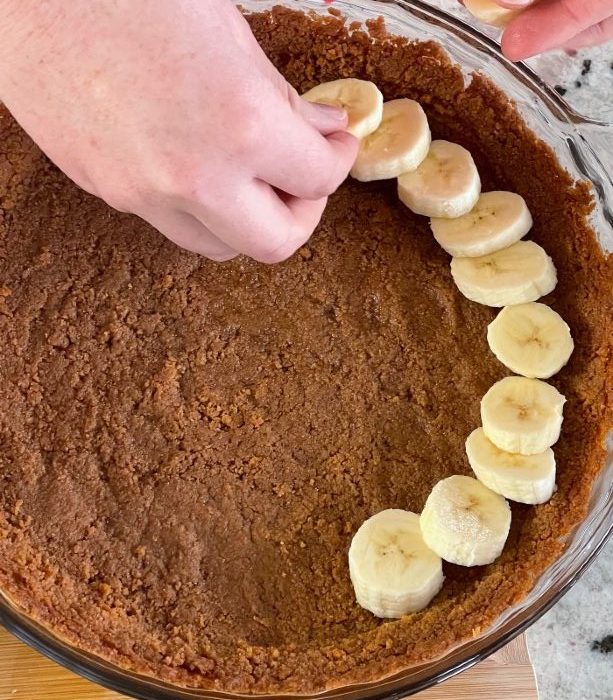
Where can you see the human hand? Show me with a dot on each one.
(549, 24)
(170, 110)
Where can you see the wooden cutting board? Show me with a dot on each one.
(26, 675)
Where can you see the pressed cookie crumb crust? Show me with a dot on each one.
(187, 448)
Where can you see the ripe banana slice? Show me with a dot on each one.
(522, 478)
(518, 274)
(464, 522)
(399, 144)
(360, 98)
(522, 415)
(490, 13)
(446, 184)
(530, 339)
(497, 220)
(392, 570)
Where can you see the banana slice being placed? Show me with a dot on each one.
(464, 522)
(523, 478)
(392, 570)
(399, 144)
(446, 184)
(360, 98)
(530, 339)
(490, 13)
(497, 220)
(518, 274)
(522, 415)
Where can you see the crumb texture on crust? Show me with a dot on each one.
(186, 449)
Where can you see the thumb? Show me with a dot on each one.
(327, 119)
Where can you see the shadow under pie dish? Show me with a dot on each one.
(186, 449)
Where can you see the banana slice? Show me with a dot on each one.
(360, 98)
(399, 144)
(489, 12)
(522, 415)
(446, 184)
(523, 478)
(497, 220)
(392, 570)
(518, 274)
(464, 522)
(530, 339)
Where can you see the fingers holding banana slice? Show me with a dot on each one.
(392, 570)
(360, 98)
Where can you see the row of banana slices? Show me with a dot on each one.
(395, 558)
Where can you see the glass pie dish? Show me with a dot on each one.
(577, 143)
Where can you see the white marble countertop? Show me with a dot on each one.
(560, 642)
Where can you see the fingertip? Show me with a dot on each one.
(513, 45)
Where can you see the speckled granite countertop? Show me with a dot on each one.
(560, 643)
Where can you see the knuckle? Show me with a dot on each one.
(178, 181)
(249, 133)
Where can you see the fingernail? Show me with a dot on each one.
(518, 3)
(332, 112)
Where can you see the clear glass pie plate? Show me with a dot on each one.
(579, 143)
